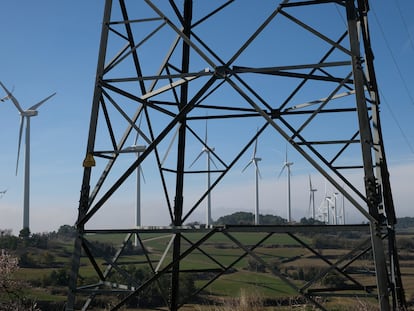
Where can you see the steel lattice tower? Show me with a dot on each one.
(165, 67)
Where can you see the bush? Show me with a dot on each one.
(405, 243)
(56, 278)
(155, 294)
(26, 260)
(333, 280)
(255, 266)
(9, 242)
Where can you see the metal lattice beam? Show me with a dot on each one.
(164, 67)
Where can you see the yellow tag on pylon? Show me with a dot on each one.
(89, 160)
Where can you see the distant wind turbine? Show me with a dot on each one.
(255, 161)
(312, 198)
(332, 205)
(343, 210)
(207, 150)
(25, 115)
(340, 209)
(324, 207)
(137, 149)
(287, 165)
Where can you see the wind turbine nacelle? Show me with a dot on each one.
(208, 149)
(30, 113)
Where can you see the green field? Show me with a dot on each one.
(280, 254)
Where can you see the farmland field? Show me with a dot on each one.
(220, 269)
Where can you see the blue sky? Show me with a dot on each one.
(49, 46)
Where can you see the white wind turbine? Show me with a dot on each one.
(312, 198)
(325, 206)
(25, 115)
(255, 161)
(332, 204)
(339, 208)
(323, 211)
(342, 216)
(287, 165)
(137, 149)
(207, 150)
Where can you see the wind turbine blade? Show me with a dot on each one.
(13, 99)
(170, 145)
(286, 157)
(310, 202)
(20, 142)
(248, 164)
(310, 183)
(136, 139)
(205, 134)
(198, 157)
(281, 171)
(318, 101)
(255, 148)
(214, 163)
(34, 107)
(139, 126)
(141, 171)
(7, 96)
(258, 170)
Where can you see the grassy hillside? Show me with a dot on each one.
(44, 265)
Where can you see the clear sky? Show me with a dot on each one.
(52, 46)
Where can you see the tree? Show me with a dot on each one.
(47, 258)
(8, 266)
(10, 288)
(310, 221)
(24, 233)
(245, 218)
(254, 265)
(66, 231)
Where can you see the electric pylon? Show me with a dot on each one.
(301, 69)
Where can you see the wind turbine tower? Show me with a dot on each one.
(137, 149)
(207, 150)
(324, 207)
(287, 165)
(255, 161)
(340, 208)
(332, 205)
(312, 191)
(25, 116)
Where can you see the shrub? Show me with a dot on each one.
(255, 266)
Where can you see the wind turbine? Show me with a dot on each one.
(137, 149)
(25, 115)
(332, 204)
(207, 150)
(287, 165)
(255, 161)
(312, 198)
(340, 211)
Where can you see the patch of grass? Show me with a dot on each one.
(231, 284)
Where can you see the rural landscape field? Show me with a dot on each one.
(36, 269)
